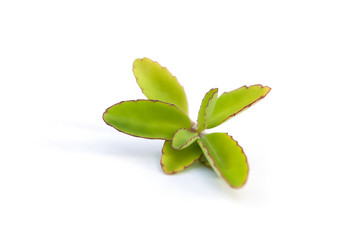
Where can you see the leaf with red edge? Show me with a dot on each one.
(146, 119)
(173, 161)
(226, 157)
(206, 108)
(157, 83)
(231, 103)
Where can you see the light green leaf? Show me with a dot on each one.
(157, 83)
(173, 161)
(146, 118)
(226, 157)
(231, 103)
(184, 138)
(206, 108)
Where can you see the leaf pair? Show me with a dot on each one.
(165, 116)
(220, 150)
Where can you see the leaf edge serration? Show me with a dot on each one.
(137, 100)
(217, 170)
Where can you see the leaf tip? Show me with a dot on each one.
(246, 161)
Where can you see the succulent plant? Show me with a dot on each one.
(164, 115)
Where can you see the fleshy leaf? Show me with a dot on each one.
(146, 118)
(173, 161)
(226, 157)
(184, 138)
(206, 108)
(231, 103)
(157, 83)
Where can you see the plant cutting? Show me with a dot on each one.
(164, 115)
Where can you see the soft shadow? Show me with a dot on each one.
(202, 181)
(196, 180)
(98, 138)
(112, 147)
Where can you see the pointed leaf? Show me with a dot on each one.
(226, 157)
(146, 118)
(184, 138)
(206, 108)
(173, 161)
(231, 103)
(157, 83)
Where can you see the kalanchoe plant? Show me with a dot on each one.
(165, 116)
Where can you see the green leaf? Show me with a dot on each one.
(157, 83)
(206, 108)
(146, 118)
(173, 161)
(231, 103)
(226, 157)
(184, 138)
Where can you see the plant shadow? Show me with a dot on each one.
(197, 179)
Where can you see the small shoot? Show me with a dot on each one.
(165, 116)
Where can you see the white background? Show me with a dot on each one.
(64, 174)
